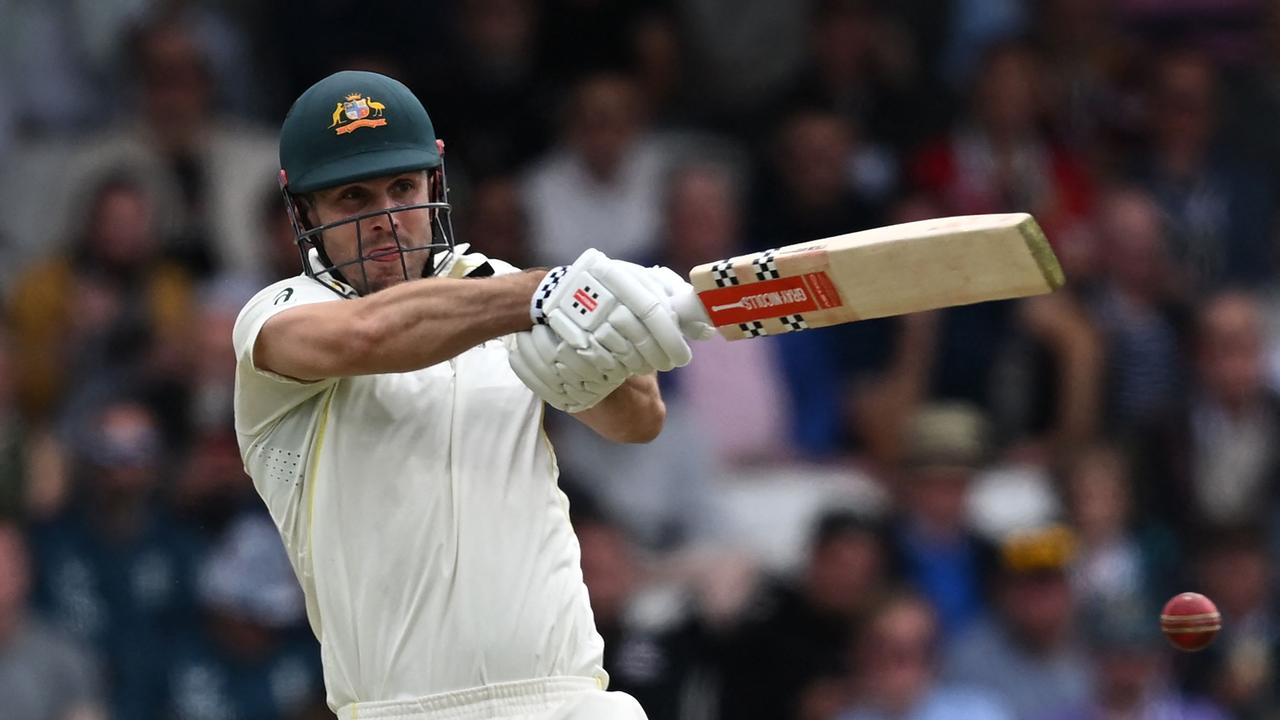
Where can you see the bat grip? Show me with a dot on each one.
(689, 309)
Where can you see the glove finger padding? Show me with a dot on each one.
(638, 336)
(536, 374)
(606, 366)
(558, 374)
(653, 309)
(538, 350)
(621, 349)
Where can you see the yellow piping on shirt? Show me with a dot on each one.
(311, 473)
(563, 501)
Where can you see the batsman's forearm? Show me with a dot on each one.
(422, 323)
(410, 326)
(634, 413)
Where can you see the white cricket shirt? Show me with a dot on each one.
(422, 516)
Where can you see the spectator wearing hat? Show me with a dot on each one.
(1026, 652)
(795, 634)
(254, 658)
(1131, 677)
(933, 544)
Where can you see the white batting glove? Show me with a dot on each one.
(694, 325)
(557, 373)
(598, 303)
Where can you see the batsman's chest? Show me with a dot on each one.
(477, 382)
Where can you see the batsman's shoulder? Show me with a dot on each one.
(289, 292)
(274, 299)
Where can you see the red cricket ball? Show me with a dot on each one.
(1190, 620)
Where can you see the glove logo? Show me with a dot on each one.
(585, 301)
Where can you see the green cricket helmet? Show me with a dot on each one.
(354, 126)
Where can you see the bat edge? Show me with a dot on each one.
(1042, 252)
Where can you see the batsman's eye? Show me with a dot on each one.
(353, 194)
(404, 187)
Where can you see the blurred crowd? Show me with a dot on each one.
(969, 514)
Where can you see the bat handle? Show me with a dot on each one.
(694, 321)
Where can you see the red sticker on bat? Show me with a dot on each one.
(770, 298)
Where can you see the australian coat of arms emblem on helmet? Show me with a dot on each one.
(357, 111)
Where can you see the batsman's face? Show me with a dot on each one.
(383, 240)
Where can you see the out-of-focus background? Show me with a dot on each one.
(969, 514)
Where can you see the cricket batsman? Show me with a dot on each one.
(389, 405)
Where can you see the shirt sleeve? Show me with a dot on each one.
(261, 396)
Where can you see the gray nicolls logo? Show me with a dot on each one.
(283, 296)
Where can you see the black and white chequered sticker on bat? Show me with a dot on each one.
(755, 328)
(765, 266)
(795, 322)
(723, 273)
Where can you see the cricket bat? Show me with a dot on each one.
(885, 271)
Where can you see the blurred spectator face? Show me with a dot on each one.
(1137, 258)
(496, 221)
(938, 497)
(15, 576)
(1098, 495)
(499, 31)
(944, 444)
(702, 216)
(896, 656)
(1236, 575)
(1126, 674)
(844, 569)
(1077, 246)
(124, 450)
(608, 569)
(120, 226)
(1230, 349)
(815, 148)
(1038, 606)
(1006, 94)
(604, 123)
(176, 79)
(1184, 101)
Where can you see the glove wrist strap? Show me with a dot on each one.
(545, 288)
